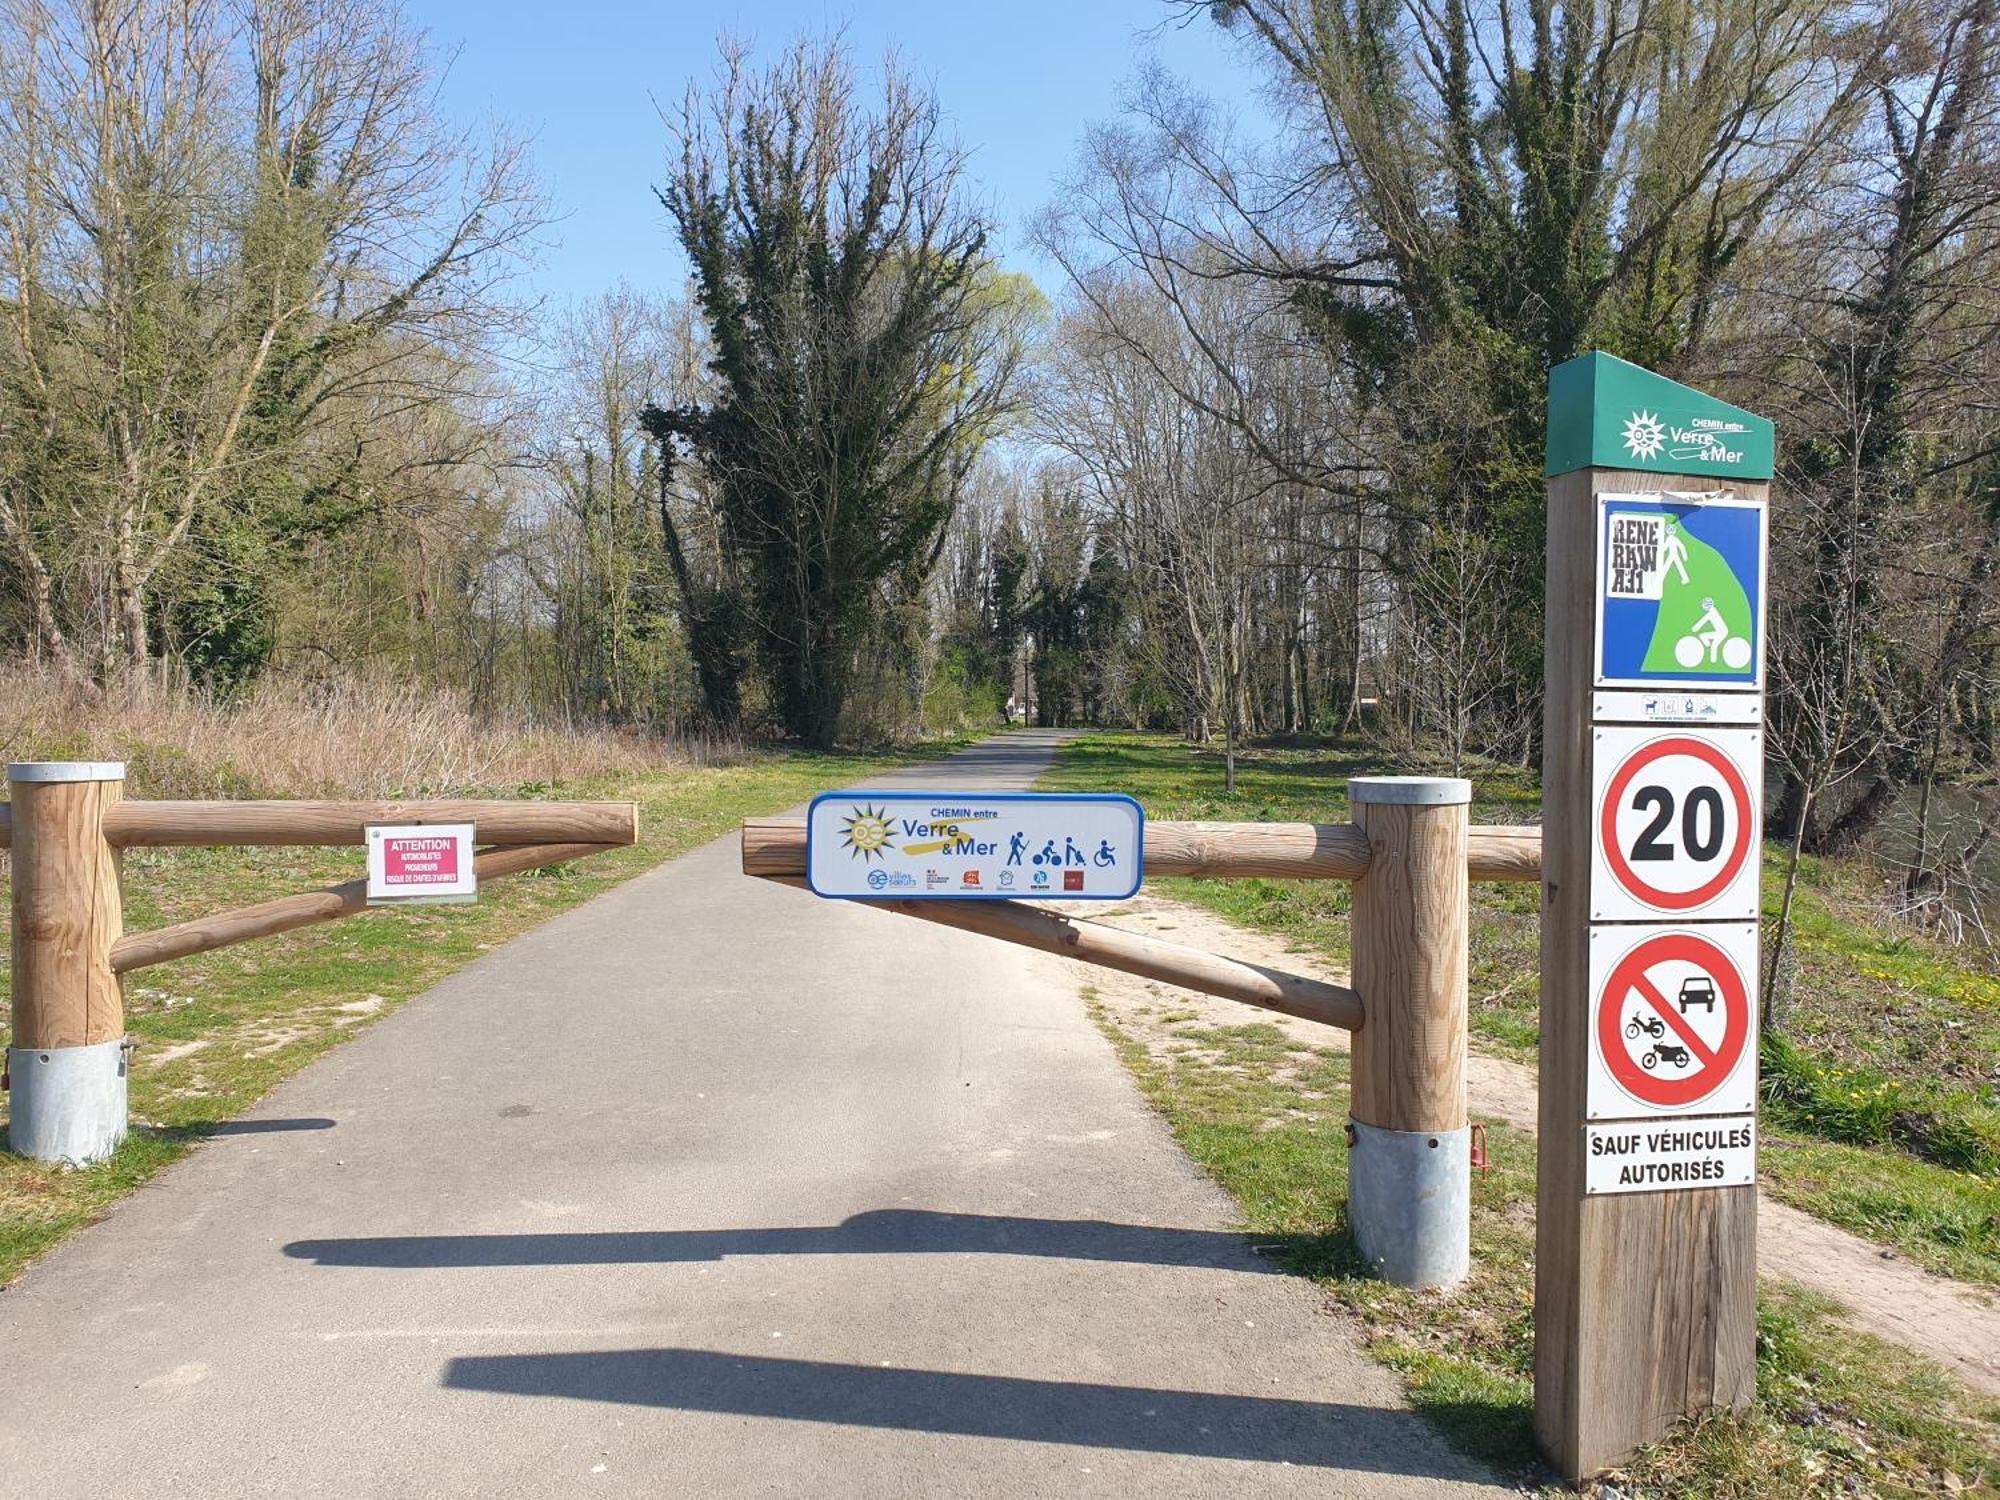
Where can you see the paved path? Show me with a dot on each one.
(705, 1188)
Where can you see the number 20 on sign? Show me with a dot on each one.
(1676, 816)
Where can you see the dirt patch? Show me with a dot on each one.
(1954, 1323)
(165, 1055)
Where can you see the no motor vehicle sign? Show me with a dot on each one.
(1674, 1026)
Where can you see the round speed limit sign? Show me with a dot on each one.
(1675, 823)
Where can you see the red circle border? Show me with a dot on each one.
(1669, 1093)
(1614, 857)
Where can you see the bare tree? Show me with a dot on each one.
(218, 223)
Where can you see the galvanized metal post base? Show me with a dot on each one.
(1409, 1202)
(67, 1104)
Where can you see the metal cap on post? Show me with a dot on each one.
(66, 1061)
(1410, 1160)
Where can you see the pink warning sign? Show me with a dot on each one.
(421, 861)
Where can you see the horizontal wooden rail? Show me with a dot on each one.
(1135, 953)
(268, 918)
(1275, 851)
(198, 824)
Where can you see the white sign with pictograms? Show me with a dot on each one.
(1674, 825)
(1674, 1021)
(975, 846)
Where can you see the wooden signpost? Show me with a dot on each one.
(1645, 1265)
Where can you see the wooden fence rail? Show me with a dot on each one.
(776, 847)
(133, 825)
(66, 826)
(285, 913)
(1068, 936)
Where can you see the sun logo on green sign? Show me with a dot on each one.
(866, 833)
(1645, 435)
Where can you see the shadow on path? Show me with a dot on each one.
(1202, 1424)
(880, 1232)
(202, 1130)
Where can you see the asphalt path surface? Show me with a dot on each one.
(708, 1187)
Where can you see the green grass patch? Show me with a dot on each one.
(1837, 1413)
(218, 1031)
(1880, 1108)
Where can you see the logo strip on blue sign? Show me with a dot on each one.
(975, 846)
(1680, 591)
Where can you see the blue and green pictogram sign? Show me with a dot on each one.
(1607, 414)
(1680, 591)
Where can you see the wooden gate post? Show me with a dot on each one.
(66, 1063)
(1646, 1198)
(1410, 1144)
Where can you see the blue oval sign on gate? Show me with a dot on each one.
(975, 846)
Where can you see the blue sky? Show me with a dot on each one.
(1019, 79)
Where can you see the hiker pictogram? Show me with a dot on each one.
(1680, 590)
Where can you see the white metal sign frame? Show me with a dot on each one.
(417, 863)
(1676, 819)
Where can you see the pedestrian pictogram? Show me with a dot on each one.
(1674, 1022)
(1680, 583)
(1675, 825)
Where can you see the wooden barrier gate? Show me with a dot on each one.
(1409, 853)
(1646, 1200)
(1645, 1259)
(68, 825)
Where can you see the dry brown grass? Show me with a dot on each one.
(287, 740)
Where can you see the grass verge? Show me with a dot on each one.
(218, 1031)
(1880, 1105)
(1836, 1414)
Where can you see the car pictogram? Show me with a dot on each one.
(1698, 990)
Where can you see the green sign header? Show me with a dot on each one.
(1607, 414)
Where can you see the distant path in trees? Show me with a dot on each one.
(706, 1187)
(1895, 1299)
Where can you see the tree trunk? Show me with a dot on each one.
(50, 642)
